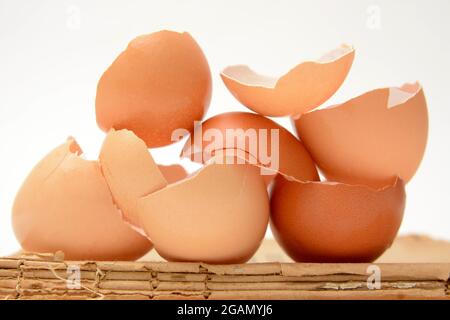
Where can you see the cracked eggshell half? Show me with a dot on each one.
(217, 215)
(303, 88)
(65, 204)
(130, 171)
(263, 140)
(160, 83)
(369, 139)
(335, 222)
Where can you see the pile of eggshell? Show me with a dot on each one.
(119, 207)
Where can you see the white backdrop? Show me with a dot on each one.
(52, 54)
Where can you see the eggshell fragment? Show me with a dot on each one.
(287, 155)
(160, 83)
(218, 215)
(65, 205)
(173, 173)
(371, 138)
(130, 171)
(303, 88)
(334, 222)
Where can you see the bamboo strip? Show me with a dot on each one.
(33, 276)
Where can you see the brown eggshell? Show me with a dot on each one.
(130, 171)
(303, 88)
(173, 173)
(334, 222)
(371, 138)
(65, 205)
(243, 158)
(218, 215)
(293, 159)
(160, 83)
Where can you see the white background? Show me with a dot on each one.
(52, 54)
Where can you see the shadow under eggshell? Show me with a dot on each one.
(334, 222)
(369, 139)
(303, 88)
(173, 173)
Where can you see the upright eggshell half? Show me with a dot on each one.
(303, 88)
(333, 222)
(65, 204)
(160, 83)
(173, 173)
(286, 155)
(371, 138)
(218, 215)
(130, 171)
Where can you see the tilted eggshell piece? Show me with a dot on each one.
(286, 155)
(173, 173)
(371, 138)
(65, 205)
(160, 83)
(334, 222)
(218, 215)
(303, 88)
(130, 171)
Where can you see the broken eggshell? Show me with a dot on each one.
(369, 139)
(217, 215)
(130, 171)
(263, 140)
(188, 219)
(65, 205)
(303, 88)
(335, 222)
(160, 83)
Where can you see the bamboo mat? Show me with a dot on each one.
(404, 275)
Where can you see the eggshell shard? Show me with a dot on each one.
(130, 171)
(255, 136)
(303, 88)
(334, 222)
(65, 204)
(371, 138)
(173, 173)
(160, 83)
(218, 215)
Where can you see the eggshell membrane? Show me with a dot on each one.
(173, 173)
(303, 88)
(130, 171)
(334, 222)
(218, 215)
(65, 205)
(294, 160)
(371, 138)
(160, 83)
